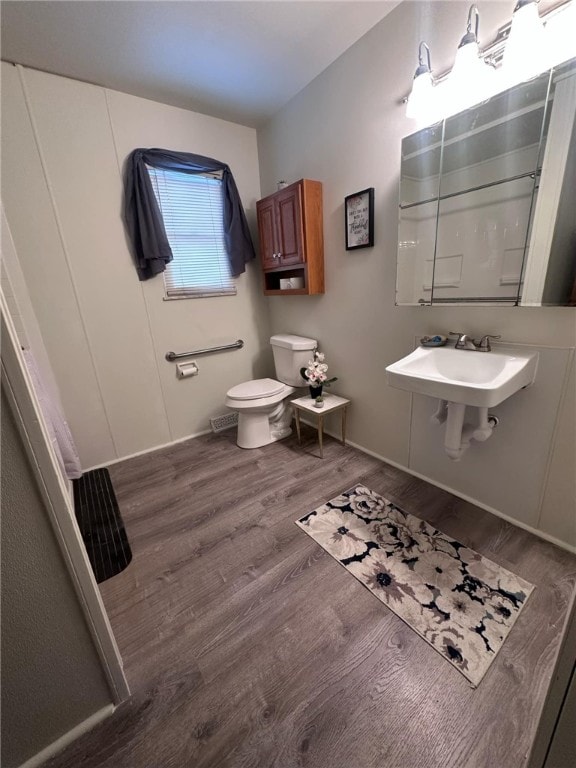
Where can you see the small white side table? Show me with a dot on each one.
(332, 403)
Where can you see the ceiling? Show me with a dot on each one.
(238, 60)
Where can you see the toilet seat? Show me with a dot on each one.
(256, 389)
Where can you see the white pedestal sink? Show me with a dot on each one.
(460, 377)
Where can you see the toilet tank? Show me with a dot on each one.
(290, 354)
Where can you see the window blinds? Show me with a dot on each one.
(192, 210)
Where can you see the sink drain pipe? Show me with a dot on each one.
(459, 434)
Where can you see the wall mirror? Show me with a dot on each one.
(488, 201)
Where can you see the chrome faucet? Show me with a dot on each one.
(467, 342)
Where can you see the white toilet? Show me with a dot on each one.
(264, 415)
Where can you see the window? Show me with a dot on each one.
(192, 210)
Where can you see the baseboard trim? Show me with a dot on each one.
(536, 531)
(147, 450)
(78, 730)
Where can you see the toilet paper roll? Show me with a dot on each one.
(287, 283)
(184, 370)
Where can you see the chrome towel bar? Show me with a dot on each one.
(171, 356)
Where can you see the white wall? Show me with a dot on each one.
(345, 130)
(106, 333)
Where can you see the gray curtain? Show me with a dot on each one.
(150, 247)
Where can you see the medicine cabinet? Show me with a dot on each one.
(487, 201)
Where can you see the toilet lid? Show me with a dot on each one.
(251, 390)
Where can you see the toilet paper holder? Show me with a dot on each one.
(185, 370)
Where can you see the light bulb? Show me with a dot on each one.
(560, 36)
(421, 96)
(421, 100)
(525, 55)
(471, 80)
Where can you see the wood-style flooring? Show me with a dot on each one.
(248, 646)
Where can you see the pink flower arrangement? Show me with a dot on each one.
(316, 372)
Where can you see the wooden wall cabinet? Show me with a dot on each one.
(290, 227)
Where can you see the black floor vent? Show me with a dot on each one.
(100, 524)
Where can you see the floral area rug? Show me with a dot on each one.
(461, 603)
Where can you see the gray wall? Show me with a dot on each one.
(52, 679)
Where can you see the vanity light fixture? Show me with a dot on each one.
(523, 48)
(525, 54)
(422, 94)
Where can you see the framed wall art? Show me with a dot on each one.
(359, 216)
